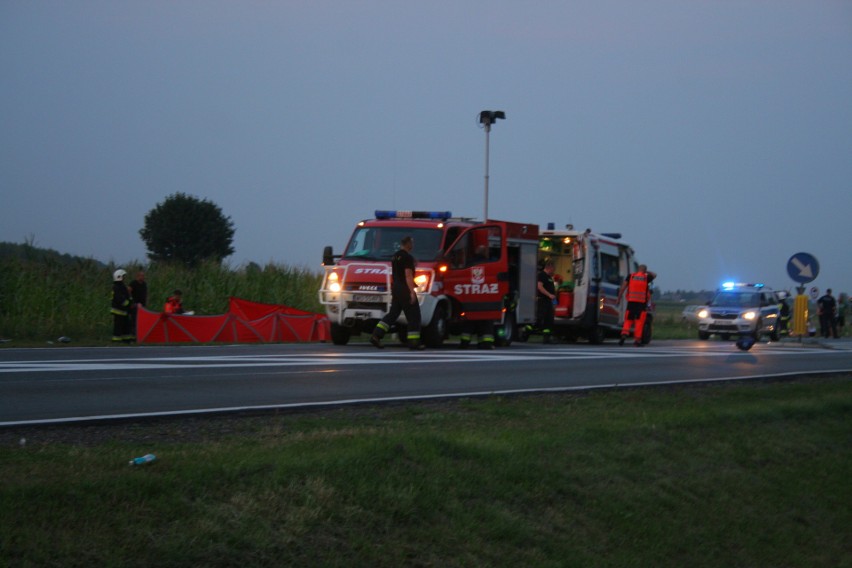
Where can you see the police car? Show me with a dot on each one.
(740, 309)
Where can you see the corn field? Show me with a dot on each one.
(47, 298)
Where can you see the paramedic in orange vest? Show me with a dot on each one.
(637, 286)
(174, 304)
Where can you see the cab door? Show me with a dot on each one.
(477, 275)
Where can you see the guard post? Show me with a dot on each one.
(800, 313)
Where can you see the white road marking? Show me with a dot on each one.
(390, 356)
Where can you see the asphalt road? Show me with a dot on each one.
(67, 384)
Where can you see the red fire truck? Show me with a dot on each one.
(467, 272)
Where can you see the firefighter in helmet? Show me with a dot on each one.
(120, 308)
(638, 290)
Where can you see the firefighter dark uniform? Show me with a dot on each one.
(827, 309)
(545, 299)
(403, 298)
(784, 320)
(483, 329)
(120, 308)
(637, 286)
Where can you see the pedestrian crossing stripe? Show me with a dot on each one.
(353, 356)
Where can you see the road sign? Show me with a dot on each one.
(803, 267)
(814, 292)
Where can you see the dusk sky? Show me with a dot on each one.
(716, 136)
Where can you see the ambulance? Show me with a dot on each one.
(468, 273)
(589, 271)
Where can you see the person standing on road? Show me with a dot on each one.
(637, 286)
(784, 317)
(827, 310)
(545, 301)
(120, 308)
(842, 308)
(403, 297)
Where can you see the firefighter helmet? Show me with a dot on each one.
(119, 275)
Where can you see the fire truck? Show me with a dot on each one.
(468, 272)
(589, 269)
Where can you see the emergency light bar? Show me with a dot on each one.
(732, 285)
(442, 215)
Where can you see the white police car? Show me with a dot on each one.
(739, 310)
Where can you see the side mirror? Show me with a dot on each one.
(327, 256)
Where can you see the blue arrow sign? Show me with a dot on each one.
(803, 267)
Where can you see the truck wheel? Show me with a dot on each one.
(340, 335)
(504, 334)
(647, 331)
(597, 335)
(435, 333)
(703, 335)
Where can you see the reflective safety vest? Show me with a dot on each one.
(637, 289)
(173, 306)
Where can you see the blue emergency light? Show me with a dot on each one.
(385, 214)
(732, 285)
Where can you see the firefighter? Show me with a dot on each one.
(638, 295)
(546, 301)
(483, 329)
(121, 306)
(784, 319)
(403, 297)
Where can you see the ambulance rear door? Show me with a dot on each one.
(582, 275)
(610, 282)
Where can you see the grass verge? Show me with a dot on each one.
(750, 474)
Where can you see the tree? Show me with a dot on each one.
(188, 230)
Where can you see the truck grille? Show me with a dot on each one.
(366, 287)
(367, 305)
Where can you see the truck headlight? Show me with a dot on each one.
(333, 282)
(422, 281)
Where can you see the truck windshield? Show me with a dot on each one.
(379, 243)
(736, 300)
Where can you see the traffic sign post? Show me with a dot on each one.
(802, 268)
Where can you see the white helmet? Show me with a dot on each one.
(119, 275)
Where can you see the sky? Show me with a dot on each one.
(716, 136)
